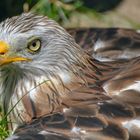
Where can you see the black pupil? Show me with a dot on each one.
(34, 44)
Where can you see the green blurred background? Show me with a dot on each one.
(79, 13)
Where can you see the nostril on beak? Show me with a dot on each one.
(4, 47)
(2, 53)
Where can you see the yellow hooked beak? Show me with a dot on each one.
(5, 59)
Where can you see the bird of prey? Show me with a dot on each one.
(54, 89)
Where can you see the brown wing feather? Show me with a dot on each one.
(108, 43)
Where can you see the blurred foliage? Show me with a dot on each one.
(60, 10)
(4, 132)
(74, 13)
(77, 13)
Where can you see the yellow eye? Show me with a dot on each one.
(34, 46)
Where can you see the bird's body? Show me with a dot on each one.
(59, 91)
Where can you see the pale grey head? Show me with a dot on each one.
(55, 43)
(33, 46)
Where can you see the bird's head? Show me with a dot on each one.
(36, 43)
(34, 49)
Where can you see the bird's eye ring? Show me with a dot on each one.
(34, 46)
